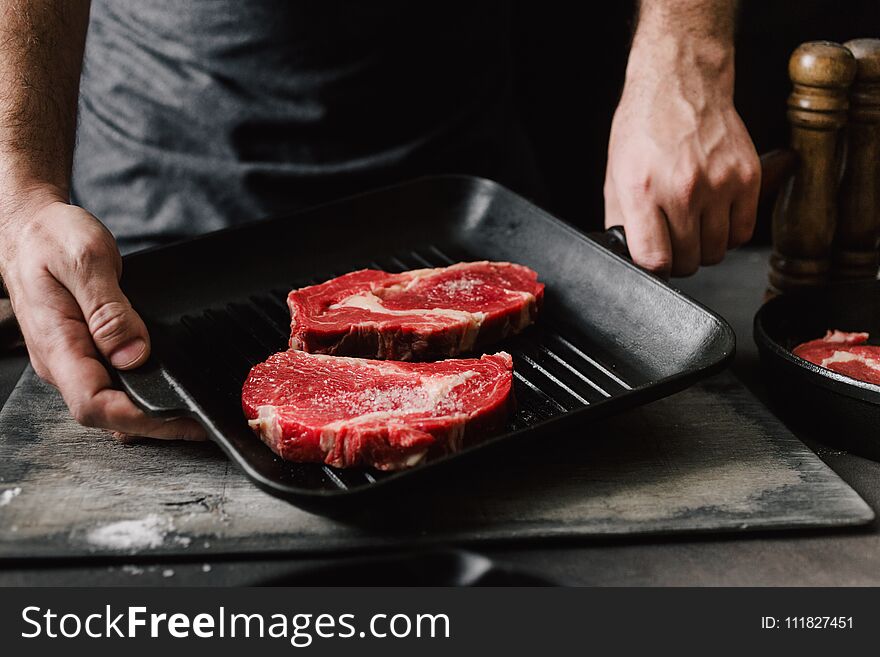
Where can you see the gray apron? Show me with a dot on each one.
(199, 115)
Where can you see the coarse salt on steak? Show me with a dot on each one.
(416, 315)
(387, 415)
(845, 353)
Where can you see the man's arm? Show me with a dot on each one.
(60, 265)
(683, 175)
(41, 49)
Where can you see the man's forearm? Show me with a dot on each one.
(683, 175)
(700, 19)
(694, 35)
(41, 49)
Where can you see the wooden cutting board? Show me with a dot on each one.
(711, 458)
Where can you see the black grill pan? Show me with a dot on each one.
(834, 408)
(611, 336)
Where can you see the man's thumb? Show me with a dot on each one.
(119, 333)
(90, 272)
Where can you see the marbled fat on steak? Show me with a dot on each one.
(845, 353)
(416, 315)
(387, 415)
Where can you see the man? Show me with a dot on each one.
(198, 115)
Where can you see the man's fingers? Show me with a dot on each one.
(684, 235)
(742, 218)
(714, 232)
(94, 403)
(179, 428)
(113, 409)
(131, 422)
(37, 363)
(72, 364)
(647, 235)
(117, 330)
(613, 213)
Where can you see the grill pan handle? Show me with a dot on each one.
(152, 389)
(615, 241)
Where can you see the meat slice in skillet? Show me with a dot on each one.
(845, 353)
(416, 315)
(387, 415)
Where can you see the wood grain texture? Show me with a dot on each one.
(708, 459)
(805, 214)
(858, 222)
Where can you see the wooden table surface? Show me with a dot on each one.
(828, 557)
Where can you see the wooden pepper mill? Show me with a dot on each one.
(858, 221)
(804, 216)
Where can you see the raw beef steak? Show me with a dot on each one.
(387, 415)
(845, 353)
(416, 315)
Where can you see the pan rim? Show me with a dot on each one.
(811, 372)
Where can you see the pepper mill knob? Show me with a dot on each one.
(822, 65)
(858, 222)
(804, 217)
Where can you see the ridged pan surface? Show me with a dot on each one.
(610, 337)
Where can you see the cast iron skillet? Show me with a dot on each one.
(836, 409)
(610, 336)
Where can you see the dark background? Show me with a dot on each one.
(571, 64)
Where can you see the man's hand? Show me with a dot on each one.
(61, 267)
(683, 175)
(59, 263)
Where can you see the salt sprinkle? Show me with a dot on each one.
(456, 286)
(148, 532)
(7, 496)
(183, 541)
(431, 396)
